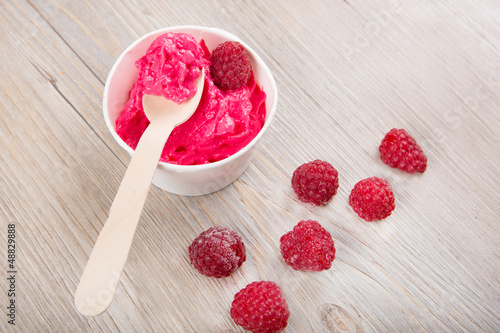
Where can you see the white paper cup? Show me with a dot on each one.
(187, 179)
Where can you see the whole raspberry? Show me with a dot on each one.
(399, 150)
(308, 247)
(217, 252)
(230, 67)
(315, 182)
(372, 199)
(260, 307)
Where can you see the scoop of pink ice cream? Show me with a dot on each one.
(224, 122)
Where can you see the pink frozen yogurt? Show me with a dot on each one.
(223, 123)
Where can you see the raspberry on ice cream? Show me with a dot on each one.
(308, 247)
(399, 150)
(315, 182)
(260, 307)
(217, 252)
(223, 123)
(372, 199)
(230, 67)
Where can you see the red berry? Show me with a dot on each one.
(217, 252)
(260, 307)
(230, 67)
(315, 182)
(308, 247)
(372, 199)
(399, 150)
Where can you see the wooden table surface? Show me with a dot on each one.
(347, 72)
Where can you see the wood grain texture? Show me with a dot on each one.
(347, 72)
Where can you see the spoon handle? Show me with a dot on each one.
(102, 273)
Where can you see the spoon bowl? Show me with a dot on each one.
(155, 106)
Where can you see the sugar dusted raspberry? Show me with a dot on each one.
(315, 182)
(372, 199)
(260, 307)
(308, 247)
(230, 67)
(399, 150)
(217, 252)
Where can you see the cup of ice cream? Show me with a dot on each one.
(214, 147)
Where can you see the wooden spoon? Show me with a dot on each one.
(102, 273)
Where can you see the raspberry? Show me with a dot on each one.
(217, 252)
(399, 150)
(308, 247)
(260, 307)
(230, 67)
(315, 182)
(372, 199)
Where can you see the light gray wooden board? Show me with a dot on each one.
(347, 72)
